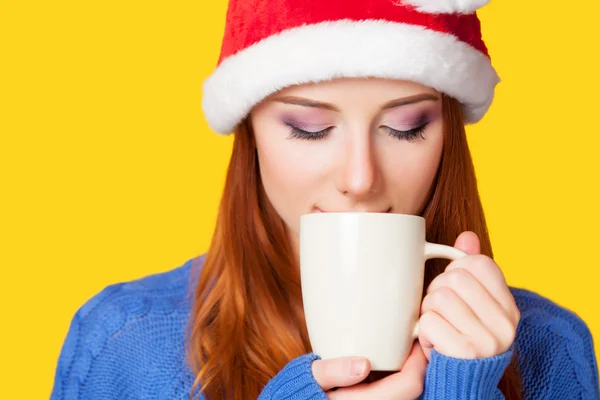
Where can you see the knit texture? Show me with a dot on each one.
(129, 342)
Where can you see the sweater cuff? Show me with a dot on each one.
(457, 378)
(295, 381)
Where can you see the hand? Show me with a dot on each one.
(468, 311)
(344, 374)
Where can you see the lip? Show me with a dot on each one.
(318, 210)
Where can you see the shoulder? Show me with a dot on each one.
(131, 332)
(164, 292)
(556, 339)
(537, 310)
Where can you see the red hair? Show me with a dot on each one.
(247, 319)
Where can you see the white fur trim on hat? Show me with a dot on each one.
(447, 6)
(346, 48)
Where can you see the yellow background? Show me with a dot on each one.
(109, 171)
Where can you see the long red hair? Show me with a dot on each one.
(247, 319)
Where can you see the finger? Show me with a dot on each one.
(487, 340)
(455, 310)
(487, 309)
(468, 242)
(488, 274)
(405, 384)
(436, 332)
(339, 372)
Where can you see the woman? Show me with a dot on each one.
(336, 106)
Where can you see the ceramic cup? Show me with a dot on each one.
(362, 282)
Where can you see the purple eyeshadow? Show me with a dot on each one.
(399, 122)
(410, 122)
(297, 123)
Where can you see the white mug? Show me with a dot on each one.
(362, 282)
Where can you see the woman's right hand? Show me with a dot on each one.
(346, 373)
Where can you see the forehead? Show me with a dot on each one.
(352, 96)
(344, 86)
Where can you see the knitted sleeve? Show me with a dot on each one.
(294, 381)
(447, 378)
(458, 379)
(555, 353)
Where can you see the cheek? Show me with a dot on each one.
(291, 176)
(281, 175)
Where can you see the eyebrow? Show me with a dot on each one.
(300, 101)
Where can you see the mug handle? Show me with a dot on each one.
(434, 250)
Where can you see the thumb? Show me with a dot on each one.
(340, 372)
(468, 242)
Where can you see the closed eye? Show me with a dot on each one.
(297, 133)
(409, 135)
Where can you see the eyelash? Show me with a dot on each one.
(297, 133)
(410, 135)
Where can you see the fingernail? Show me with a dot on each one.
(358, 366)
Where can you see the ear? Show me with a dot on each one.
(447, 6)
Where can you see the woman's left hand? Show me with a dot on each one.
(468, 311)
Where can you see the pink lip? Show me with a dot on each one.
(381, 212)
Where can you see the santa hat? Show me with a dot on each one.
(271, 44)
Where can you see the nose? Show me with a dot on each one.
(358, 174)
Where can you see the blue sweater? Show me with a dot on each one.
(128, 342)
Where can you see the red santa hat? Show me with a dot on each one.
(271, 44)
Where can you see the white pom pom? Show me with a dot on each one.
(447, 6)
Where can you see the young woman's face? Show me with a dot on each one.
(348, 145)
